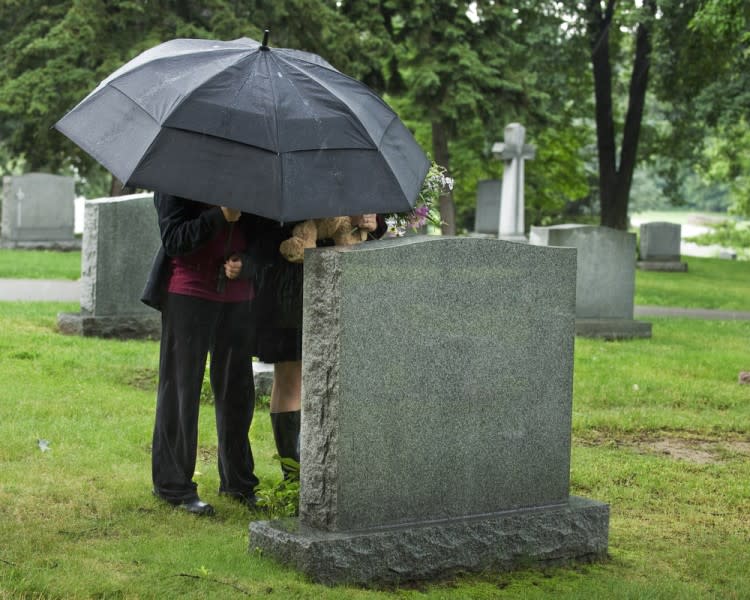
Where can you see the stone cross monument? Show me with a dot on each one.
(513, 151)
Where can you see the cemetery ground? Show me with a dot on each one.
(661, 432)
(40, 264)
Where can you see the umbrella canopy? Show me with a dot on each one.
(271, 131)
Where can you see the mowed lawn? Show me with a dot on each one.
(661, 432)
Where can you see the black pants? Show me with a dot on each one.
(191, 328)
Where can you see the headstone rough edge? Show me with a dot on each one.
(320, 389)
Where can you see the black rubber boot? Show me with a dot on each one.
(286, 433)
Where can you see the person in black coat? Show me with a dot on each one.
(200, 283)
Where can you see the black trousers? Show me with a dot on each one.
(191, 328)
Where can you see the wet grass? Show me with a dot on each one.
(78, 521)
(708, 283)
(39, 264)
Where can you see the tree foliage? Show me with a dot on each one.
(599, 85)
(702, 82)
(463, 71)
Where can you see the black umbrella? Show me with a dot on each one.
(271, 131)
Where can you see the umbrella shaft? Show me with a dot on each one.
(221, 282)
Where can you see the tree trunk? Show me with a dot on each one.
(117, 189)
(442, 157)
(598, 25)
(633, 119)
(614, 181)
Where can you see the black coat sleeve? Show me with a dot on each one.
(184, 224)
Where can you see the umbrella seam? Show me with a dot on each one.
(184, 97)
(135, 103)
(344, 104)
(144, 111)
(204, 82)
(222, 138)
(390, 170)
(153, 140)
(278, 145)
(111, 77)
(344, 75)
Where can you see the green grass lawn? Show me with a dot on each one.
(681, 216)
(661, 432)
(708, 283)
(39, 264)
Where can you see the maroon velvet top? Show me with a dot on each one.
(197, 274)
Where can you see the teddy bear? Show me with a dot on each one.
(306, 233)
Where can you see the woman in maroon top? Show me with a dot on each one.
(200, 283)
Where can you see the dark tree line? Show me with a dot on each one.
(600, 85)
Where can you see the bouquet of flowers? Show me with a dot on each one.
(427, 208)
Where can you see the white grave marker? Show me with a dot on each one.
(514, 152)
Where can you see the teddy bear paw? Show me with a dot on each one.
(293, 250)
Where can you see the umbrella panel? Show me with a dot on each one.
(406, 161)
(284, 187)
(212, 170)
(367, 109)
(338, 182)
(113, 130)
(270, 104)
(172, 120)
(161, 85)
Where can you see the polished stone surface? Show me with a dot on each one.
(437, 380)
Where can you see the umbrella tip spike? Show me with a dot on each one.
(264, 45)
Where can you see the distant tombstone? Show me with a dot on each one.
(38, 211)
(605, 280)
(486, 219)
(513, 151)
(263, 378)
(660, 247)
(120, 239)
(422, 454)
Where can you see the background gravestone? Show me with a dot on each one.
(487, 216)
(430, 442)
(605, 278)
(38, 211)
(660, 247)
(120, 239)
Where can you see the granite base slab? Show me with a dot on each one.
(575, 531)
(123, 327)
(672, 266)
(613, 329)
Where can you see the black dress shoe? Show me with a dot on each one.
(249, 500)
(196, 507)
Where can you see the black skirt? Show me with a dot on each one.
(277, 312)
(277, 308)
